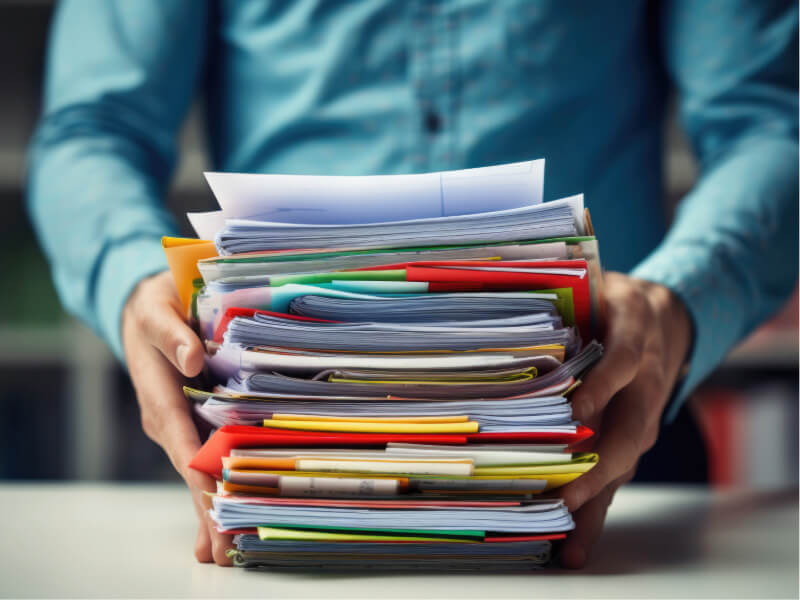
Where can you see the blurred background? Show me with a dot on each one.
(67, 410)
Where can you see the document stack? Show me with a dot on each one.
(389, 364)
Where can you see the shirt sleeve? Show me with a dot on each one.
(731, 254)
(119, 79)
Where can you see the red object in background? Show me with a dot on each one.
(728, 415)
(718, 414)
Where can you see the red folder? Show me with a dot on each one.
(571, 263)
(442, 277)
(489, 539)
(368, 503)
(209, 458)
(511, 280)
(521, 437)
(531, 437)
(236, 311)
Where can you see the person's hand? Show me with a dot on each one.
(160, 350)
(647, 336)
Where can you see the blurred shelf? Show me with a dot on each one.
(90, 427)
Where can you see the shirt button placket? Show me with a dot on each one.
(431, 69)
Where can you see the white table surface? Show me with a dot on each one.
(115, 540)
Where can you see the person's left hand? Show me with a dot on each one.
(647, 336)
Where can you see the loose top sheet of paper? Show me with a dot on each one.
(318, 199)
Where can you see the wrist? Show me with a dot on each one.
(675, 326)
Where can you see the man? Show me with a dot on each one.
(335, 87)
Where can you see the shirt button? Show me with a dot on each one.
(433, 122)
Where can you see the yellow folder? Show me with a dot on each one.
(374, 427)
(581, 462)
(512, 472)
(439, 419)
(277, 533)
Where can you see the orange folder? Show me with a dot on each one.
(182, 256)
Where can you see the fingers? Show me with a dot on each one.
(166, 419)
(202, 544)
(220, 543)
(210, 545)
(164, 409)
(589, 521)
(153, 314)
(172, 336)
(627, 430)
(182, 443)
(629, 321)
(588, 525)
(157, 339)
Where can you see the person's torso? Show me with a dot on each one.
(388, 86)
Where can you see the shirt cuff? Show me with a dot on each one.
(123, 267)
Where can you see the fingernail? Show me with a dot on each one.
(182, 354)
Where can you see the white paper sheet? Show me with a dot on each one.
(557, 218)
(207, 224)
(317, 199)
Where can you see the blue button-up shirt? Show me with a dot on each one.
(382, 86)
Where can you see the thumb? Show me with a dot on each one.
(169, 333)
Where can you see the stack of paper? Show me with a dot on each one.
(389, 365)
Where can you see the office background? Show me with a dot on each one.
(67, 410)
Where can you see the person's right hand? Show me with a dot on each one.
(160, 350)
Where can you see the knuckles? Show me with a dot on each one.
(657, 382)
(629, 351)
(648, 312)
(139, 320)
